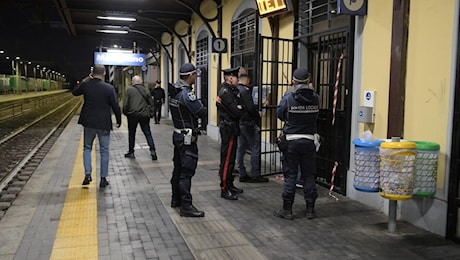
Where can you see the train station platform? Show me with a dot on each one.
(54, 217)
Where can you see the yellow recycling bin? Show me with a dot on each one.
(397, 168)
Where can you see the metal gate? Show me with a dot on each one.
(333, 81)
(275, 64)
(277, 59)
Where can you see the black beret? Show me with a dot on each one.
(186, 69)
(300, 75)
(231, 71)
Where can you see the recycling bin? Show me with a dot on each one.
(426, 168)
(367, 166)
(397, 168)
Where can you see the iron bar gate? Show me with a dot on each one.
(275, 65)
(276, 62)
(334, 90)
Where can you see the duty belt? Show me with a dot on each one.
(183, 131)
(299, 136)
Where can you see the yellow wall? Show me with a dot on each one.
(376, 61)
(428, 70)
(428, 75)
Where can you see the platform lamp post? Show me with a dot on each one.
(35, 76)
(26, 73)
(17, 74)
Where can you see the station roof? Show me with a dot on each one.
(63, 33)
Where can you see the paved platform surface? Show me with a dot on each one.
(135, 221)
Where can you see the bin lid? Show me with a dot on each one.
(398, 145)
(428, 146)
(362, 142)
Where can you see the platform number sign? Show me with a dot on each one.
(352, 7)
(219, 45)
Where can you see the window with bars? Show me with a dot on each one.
(244, 33)
(202, 46)
(316, 16)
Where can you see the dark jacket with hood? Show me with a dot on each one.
(299, 110)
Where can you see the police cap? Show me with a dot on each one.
(187, 69)
(300, 75)
(231, 71)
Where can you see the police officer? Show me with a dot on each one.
(299, 110)
(185, 110)
(230, 110)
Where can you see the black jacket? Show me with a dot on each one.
(227, 104)
(251, 113)
(299, 110)
(158, 95)
(100, 99)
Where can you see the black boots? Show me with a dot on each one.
(175, 203)
(228, 195)
(310, 212)
(286, 211)
(87, 179)
(235, 190)
(104, 183)
(190, 211)
(130, 155)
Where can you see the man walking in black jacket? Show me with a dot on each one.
(158, 94)
(136, 107)
(96, 118)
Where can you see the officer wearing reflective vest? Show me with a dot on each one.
(185, 110)
(299, 110)
(230, 110)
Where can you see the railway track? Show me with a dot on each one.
(25, 141)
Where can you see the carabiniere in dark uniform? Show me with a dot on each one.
(185, 110)
(230, 111)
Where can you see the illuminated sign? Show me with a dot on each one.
(119, 58)
(272, 7)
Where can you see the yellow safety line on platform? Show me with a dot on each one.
(76, 237)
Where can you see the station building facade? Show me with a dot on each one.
(405, 53)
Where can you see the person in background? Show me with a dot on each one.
(250, 132)
(100, 100)
(136, 108)
(230, 110)
(158, 94)
(185, 109)
(299, 110)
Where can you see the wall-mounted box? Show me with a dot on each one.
(366, 114)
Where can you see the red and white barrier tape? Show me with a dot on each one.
(336, 88)
(334, 169)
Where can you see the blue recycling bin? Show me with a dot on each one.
(367, 165)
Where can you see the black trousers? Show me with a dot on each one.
(300, 154)
(228, 146)
(157, 112)
(185, 161)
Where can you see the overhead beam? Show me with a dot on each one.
(65, 16)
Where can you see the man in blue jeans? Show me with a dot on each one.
(136, 107)
(100, 100)
(250, 133)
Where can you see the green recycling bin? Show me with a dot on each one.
(426, 168)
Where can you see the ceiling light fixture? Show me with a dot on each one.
(117, 18)
(112, 31)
